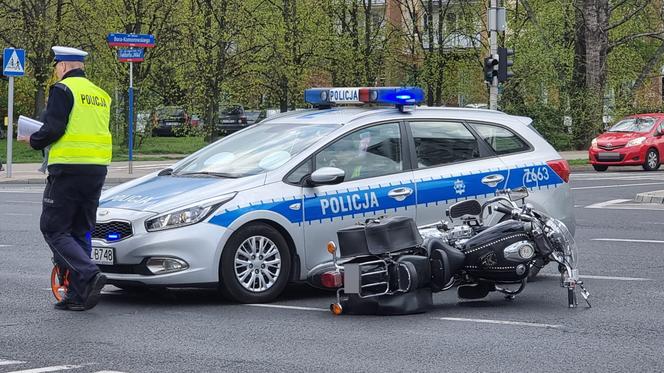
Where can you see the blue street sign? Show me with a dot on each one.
(131, 55)
(13, 62)
(130, 40)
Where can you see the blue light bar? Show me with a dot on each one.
(113, 236)
(399, 96)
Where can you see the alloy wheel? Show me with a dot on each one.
(652, 159)
(257, 263)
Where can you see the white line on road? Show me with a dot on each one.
(600, 277)
(10, 362)
(21, 202)
(615, 186)
(501, 322)
(602, 205)
(6, 245)
(288, 307)
(626, 240)
(15, 214)
(55, 368)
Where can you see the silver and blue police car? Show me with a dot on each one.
(255, 210)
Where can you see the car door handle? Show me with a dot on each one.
(493, 180)
(400, 194)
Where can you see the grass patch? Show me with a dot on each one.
(578, 162)
(152, 149)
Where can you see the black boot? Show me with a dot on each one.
(68, 305)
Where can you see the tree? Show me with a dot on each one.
(35, 26)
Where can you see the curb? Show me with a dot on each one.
(650, 197)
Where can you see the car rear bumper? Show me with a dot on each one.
(631, 156)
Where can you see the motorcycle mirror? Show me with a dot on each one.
(518, 194)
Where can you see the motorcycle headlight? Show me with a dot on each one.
(187, 215)
(636, 141)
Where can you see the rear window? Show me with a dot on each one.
(438, 143)
(500, 139)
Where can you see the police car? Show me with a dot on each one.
(255, 210)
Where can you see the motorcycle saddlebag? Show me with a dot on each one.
(484, 253)
(388, 235)
(415, 276)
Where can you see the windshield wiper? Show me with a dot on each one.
(208, 173)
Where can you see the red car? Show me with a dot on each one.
(637, 140)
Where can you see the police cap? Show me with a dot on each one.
(68, 54)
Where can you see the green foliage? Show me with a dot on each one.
(263, 54)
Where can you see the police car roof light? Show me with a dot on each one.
(399, 96)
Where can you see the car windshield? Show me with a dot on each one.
(232, 110)
(256, 150)
(633, 125)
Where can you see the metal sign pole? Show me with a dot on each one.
(10, 125)
(493, 43)
(131, 116)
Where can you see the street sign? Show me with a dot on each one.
(13, 62)
(131, 55)
(130, 40)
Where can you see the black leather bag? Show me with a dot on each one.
(388, 235)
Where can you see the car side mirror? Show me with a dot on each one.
(327, 176)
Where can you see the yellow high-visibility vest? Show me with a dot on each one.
(87, 139)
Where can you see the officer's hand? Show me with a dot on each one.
(23, 138)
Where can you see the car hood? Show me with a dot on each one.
(618, 138)
(158, 194)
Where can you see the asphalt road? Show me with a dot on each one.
(197, 331)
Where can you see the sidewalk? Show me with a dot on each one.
(118, 172)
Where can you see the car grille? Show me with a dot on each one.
(121, 228)
(612, 147)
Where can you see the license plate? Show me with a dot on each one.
(608, 156)
(103, 255)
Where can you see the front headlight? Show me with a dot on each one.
(636, 141)
(593, 143)
(187, 215)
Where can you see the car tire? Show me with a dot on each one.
(652, 160)
(248, 248)
(600, 168)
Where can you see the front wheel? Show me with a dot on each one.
(652, 160)
(255, 265)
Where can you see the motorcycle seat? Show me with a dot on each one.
(445, 262)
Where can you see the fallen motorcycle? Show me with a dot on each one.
(390, 266)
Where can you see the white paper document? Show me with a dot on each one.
(28, 126)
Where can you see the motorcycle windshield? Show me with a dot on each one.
(564, 241)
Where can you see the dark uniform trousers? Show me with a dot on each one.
(68, 216)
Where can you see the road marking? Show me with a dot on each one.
(626, 240)
(288, 307)
(22, 191)
(15, 214)
(55, 368)
(6, 245)
(31, 202)
(615, 186)
(602, 205)
(10, 362)
(500, 322)
(600, 277)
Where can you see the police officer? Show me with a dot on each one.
(76, 127)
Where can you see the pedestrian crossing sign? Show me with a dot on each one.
(13, 62)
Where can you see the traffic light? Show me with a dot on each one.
(490, 68)
(505, 62)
